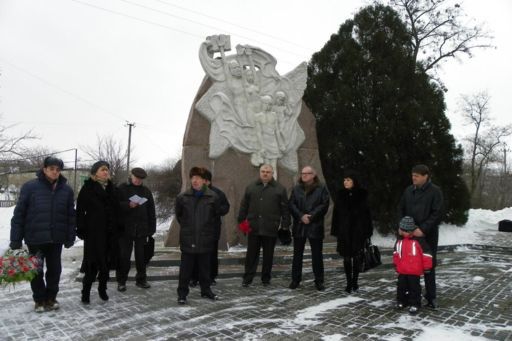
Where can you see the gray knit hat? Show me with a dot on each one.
(407, 224)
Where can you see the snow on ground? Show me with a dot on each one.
(479, 221)
(434, 331)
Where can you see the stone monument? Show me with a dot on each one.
(245, 114)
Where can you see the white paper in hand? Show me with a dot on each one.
(138, 200)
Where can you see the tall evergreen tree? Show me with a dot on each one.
(377, 113)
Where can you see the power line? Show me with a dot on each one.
(233, 24)
(67, 92)
(202, 24)
(137, 19)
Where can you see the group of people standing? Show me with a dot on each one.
(111, 220)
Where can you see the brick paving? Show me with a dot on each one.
(474, 288)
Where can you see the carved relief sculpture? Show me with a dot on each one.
(250, 107)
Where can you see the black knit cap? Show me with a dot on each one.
(139, 173)
(53, 161)
(198, 171)
(97, 165)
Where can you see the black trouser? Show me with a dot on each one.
(51, 254)
(430, 277)
(254, 243)
(188, 262)
(93, 271)
(316, 257)
(214, 265)
(126, 245)
(409, 290)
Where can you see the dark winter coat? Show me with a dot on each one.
(265, 207)
(314, 202)
(197, 216)
(425, 206)
(44, 213)
(97, 211)
(139, 221)
(224, 209)
(351, 221)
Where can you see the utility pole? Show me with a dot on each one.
(130, 126)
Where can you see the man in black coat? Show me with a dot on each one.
(265, 206)
(138, 223)
(308, 204)
(197, 210)
(424, 202)
(224, 209)
(44, 217)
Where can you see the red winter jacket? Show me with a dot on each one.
(411, 256)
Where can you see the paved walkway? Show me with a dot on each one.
(475, 297)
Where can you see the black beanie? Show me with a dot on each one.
(53, 161)
(97, 166)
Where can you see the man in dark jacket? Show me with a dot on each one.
(197, 210)
(265, 206)
(308, 204)
(138, 223)
(214, 259)
(423, 201)
(45, 218)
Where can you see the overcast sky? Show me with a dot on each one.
(75, 69)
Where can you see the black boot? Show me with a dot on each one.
(86, 293)
(102, 291)
(355, 273)
(355, 277)
(347, 265)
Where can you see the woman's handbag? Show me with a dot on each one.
(370, 256)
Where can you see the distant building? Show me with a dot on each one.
(11, 182)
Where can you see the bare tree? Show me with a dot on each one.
(440, 30)
(485, 142)
(109, 149)
(12, 145)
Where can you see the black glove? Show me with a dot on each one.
(67, 245)
(15, 245)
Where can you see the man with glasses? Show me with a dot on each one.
(308, 204)
(44, 217)
(265, 206)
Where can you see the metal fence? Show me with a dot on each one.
(7, 203)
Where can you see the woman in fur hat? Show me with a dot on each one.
(352, 225)
(96, 225)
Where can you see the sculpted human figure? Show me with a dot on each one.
(233, 104)
(271, 144)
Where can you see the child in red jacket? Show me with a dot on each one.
(412, 259)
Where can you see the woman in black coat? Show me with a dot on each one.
(96, 224)
(352, 225)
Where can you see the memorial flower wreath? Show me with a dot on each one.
(18, 266)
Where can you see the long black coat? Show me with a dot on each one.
(197, 216)
(224, 209)
(139, 221)
(97, 210)
(351, 221)
(425, 206)
(314, 202)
